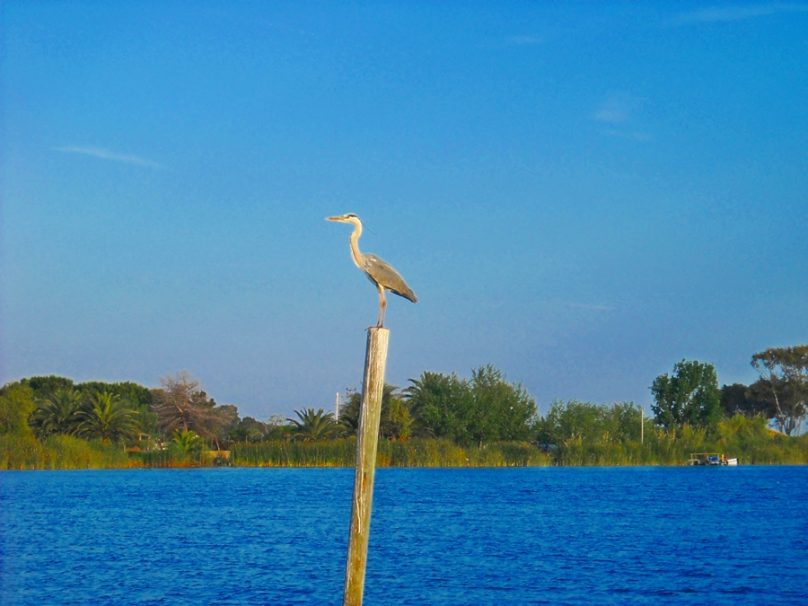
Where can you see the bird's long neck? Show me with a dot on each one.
(355, 254)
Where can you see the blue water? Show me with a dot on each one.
(439, 537)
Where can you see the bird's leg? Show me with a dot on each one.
(382, 307)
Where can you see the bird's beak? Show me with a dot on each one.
(333, 218)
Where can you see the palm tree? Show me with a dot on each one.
(108, 419)
(440, 405)
(187, 442)
(58, 413)
(314, 424)
(349, 413)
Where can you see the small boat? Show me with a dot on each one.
(711, 459)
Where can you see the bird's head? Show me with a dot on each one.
(346, 218)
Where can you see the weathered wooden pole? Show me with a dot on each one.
(366, 442)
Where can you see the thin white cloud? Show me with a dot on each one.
(617, 113)
(106, 154)
(617, 108)
(739, 12)
(611, 114)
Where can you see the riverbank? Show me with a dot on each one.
(66, 452)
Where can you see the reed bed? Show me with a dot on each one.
(59, 452)
(750, 440)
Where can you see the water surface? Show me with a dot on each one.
(439, 536)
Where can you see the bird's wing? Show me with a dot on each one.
(384, 274)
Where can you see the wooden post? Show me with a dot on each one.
(366, 443)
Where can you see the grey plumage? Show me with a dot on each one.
(383, 275)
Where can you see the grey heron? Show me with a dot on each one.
(378, 271)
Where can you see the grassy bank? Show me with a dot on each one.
(747, 439)
(342, 453)
(64, 452)
(412, 453)
(59, 452)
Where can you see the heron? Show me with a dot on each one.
(378, 271)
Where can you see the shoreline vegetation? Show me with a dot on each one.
(750, 440)
(438, 421)
(66, 452)
(773, 449)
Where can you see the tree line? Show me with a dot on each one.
(690, 394)
(482, 409)
(52, 417)
(180, 414)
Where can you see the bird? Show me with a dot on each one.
(378, 271)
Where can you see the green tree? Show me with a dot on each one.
(748, 400)
(689, 396)
(440, 406)
(313, 424)
(107, 419)
(45, 387)
(131, 395)
(734, 399)
(500, 410)
(785, 369)
(58, 413)
(619, 422)
(487, 408)
(349, 413)
(570, 421)
(395, 421)
(16, 406)
(624, 421)
(583, 433)
(278, 428)
(136, 396)
(248, 430)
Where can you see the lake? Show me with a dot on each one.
(440, 537)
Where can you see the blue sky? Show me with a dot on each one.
(581, 194)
